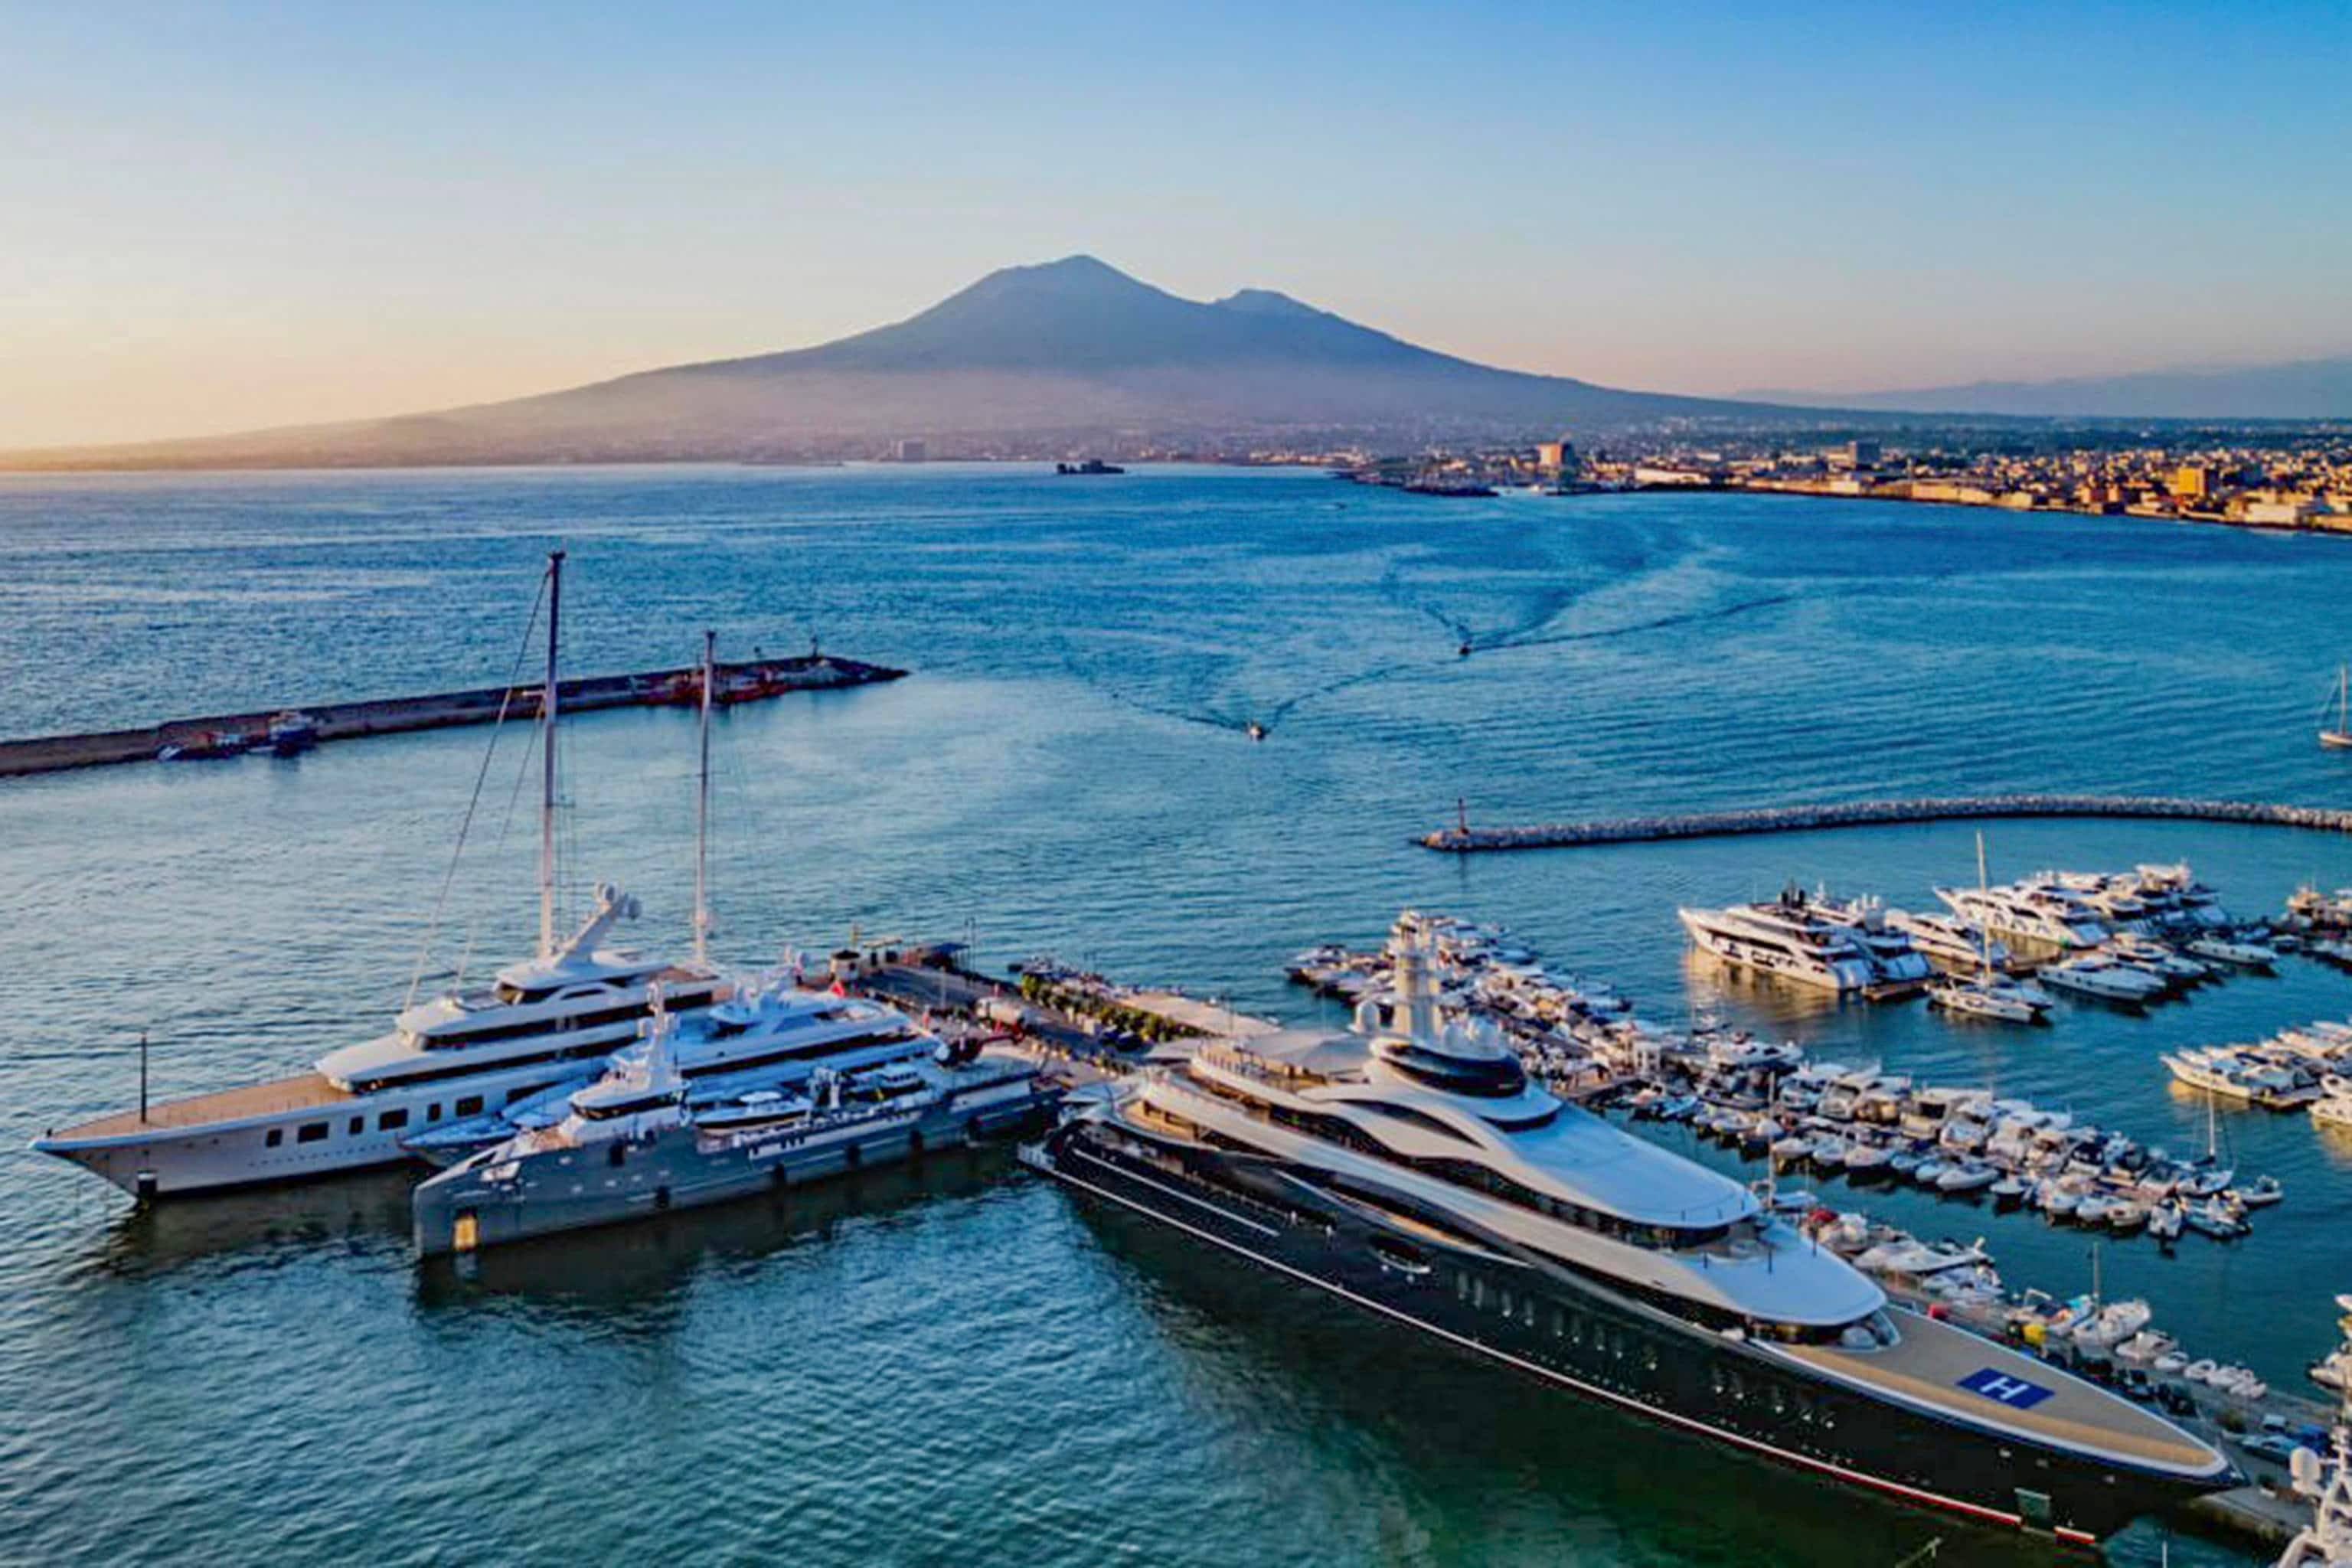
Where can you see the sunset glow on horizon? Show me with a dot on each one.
(234, 219)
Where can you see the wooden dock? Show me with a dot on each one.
(344, 721)
(1464, 840)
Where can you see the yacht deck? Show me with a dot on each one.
(1934, 1363)
(299, 1092)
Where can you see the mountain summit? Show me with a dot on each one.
(1065, 355)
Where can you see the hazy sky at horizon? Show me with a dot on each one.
(214, 218)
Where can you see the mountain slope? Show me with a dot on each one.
(2299, 389)
(1069, 353)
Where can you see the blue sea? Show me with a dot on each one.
(959, 1364)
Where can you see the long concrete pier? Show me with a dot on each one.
(343, 720)
(1465, 840)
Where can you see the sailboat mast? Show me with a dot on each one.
(547, 706)
(702, 807)
(1984, 932)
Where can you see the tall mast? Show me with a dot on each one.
(547, 706)
(702, 807)
(1984, 932)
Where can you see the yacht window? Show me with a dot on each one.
(1482, 1078)
(391, 1119)
(311, 1132)
(469, 1106)
(277, 1135)
(433, 1111)
(617, 1153)
(359, 1125)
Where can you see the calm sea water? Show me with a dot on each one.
(960, 1365)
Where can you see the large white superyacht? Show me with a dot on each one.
(2042, 912)
(1417, 1173)
(1841, 948)
(554, 1017)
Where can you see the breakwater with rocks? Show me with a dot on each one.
(1464, 840)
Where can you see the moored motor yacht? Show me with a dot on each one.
(1411, 1169)
(545, 1021)
(2091, 974)
(1787, 938)
(636, 1143)
(768, 1029)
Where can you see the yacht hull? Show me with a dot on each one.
(1846, 979)
(298, 1129)
(1593, 1342)
(483, 1203)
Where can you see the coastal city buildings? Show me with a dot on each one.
(2264, 479)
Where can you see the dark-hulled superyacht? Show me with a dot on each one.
(1416, 1172)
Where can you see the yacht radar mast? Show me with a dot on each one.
(547, 707)
(702, 809)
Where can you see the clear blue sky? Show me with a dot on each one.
(216, 217)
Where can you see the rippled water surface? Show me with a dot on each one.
(959, 1364)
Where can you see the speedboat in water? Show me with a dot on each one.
(1413, 1170)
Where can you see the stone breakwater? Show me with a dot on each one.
(743, 682)
(1464, 840)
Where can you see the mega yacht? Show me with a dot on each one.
(542, 1021)
(1416, 1172)
(2241, 1075)
(1948, 940)
(1785, 937)
(637, 1142)
(456, 1056)
(770, 1033)
(1894, 959)
(2040, 912)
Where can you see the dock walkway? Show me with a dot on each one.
(343, 720)
(1465, 840)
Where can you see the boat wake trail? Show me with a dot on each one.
(1284, 709)
(1661, 623)
(1217, 711)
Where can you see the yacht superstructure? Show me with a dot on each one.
(770, 1033)
(639, 1142)
(1417, 1173)
(1847, 949)
(2044, 911)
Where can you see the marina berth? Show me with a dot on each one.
(1415, 1170)
(1768, 1102)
